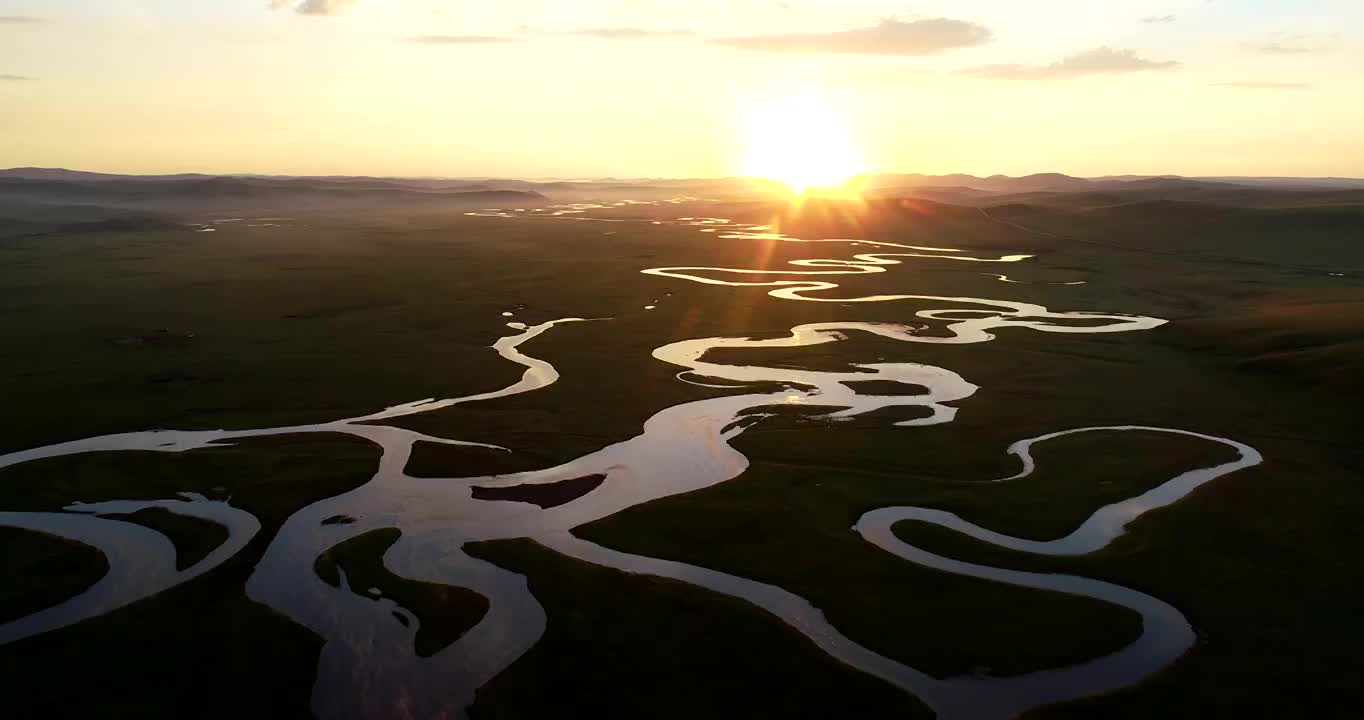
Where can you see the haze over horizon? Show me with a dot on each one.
(36, 172)
(530, 88)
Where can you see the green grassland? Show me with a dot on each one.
(340, 315)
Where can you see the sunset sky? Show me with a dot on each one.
(632, 88)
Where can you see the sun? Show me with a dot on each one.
(799, 141)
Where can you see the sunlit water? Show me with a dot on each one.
(368, 665)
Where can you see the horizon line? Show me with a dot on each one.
(657, 178)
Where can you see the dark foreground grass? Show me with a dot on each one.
(622, 645)
(194, 539)
(43, 570)
(1271, 603)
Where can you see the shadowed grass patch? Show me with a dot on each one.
(625, 645)
(43, 570)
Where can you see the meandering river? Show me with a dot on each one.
(680, 449)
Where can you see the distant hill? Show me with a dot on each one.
(1146, 199)
(34, 173)
(1269, 182)
(1189, 191)
(1059, 183)
(1052, 182)
(948, 188)
(195, 192)
(1316, 239)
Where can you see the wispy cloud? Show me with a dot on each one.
(1285, 44)
(19, 19)
(313, 7)
(890, 37)
(1099, 61)
(626, 33)
(1158, 19)
(14, 78)
(462, 40)
(1275, 48)
(1258, 85)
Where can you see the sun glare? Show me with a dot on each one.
(800, 142)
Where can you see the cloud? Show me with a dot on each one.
(313, 7)
(1158, 19)
(1275, 48)
(890, 37)
(1256, 85)
(1285, 44)
(461, 40)
(19, 19)
(626, 33)
(1100, 61)
(14, 78)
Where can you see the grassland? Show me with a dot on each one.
(339, 315)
